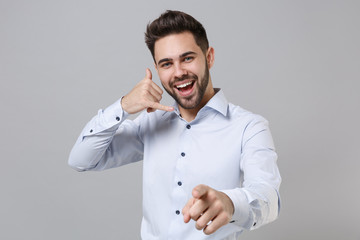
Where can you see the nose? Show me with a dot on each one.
(179, 71)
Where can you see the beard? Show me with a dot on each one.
(191, 101)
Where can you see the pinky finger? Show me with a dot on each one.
(214, 225)
(159, 106)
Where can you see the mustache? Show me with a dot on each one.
(185, 77)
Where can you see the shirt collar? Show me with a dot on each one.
(218, 102)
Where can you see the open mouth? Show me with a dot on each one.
(185, 87)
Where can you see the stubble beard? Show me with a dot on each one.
(192, 101)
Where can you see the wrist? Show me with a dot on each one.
(229, 204)
(124, 105)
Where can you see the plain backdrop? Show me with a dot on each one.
(297, 63)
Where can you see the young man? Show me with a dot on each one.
(207, 164)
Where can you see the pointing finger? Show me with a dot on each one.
(185, 210)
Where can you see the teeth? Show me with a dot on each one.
(184, 85)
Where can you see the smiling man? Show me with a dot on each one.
(209, 167)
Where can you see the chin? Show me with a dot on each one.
(189, 104)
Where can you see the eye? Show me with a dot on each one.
(166, 65)
(188, 59)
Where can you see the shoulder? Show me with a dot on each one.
(250, 125)
(239, 114)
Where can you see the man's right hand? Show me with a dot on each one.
(145, 95)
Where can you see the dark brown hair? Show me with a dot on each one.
(171, 22)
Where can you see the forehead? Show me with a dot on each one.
(173, 45)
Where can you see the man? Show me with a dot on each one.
(207, 164)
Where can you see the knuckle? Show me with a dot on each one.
(202, 186)
(209, 230)
(201, 222)
(152, 104)
(199, 226)
(218, 206)
(147, 87)
(224, 218)
(211, 195)
(192, 213)
(144, 92)
(199, 188)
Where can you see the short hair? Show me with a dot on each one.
(171, 22)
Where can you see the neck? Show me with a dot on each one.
(190, 114)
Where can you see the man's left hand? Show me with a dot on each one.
(210, 209)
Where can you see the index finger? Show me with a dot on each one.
(185, 210)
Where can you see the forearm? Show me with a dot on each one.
(89, 150)
(257, 201)
(94, 149)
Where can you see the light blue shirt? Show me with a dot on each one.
(224, 147)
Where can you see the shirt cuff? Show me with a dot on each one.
(114, 113)
(241, 216)
(110, 118)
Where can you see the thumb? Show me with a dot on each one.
(148, 74)
(199, 191)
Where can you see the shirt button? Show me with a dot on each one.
(188, 126)
(91, 130)
(117, 119)
(177, 212)
(179, 183)
(183, 154)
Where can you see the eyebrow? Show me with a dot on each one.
(181, 56)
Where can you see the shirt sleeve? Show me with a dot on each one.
(257, 201)
(109, 140)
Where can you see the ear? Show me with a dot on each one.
(210, 57)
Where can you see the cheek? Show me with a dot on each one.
(165, 78)
(197, 68)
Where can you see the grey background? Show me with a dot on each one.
(295, 62)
